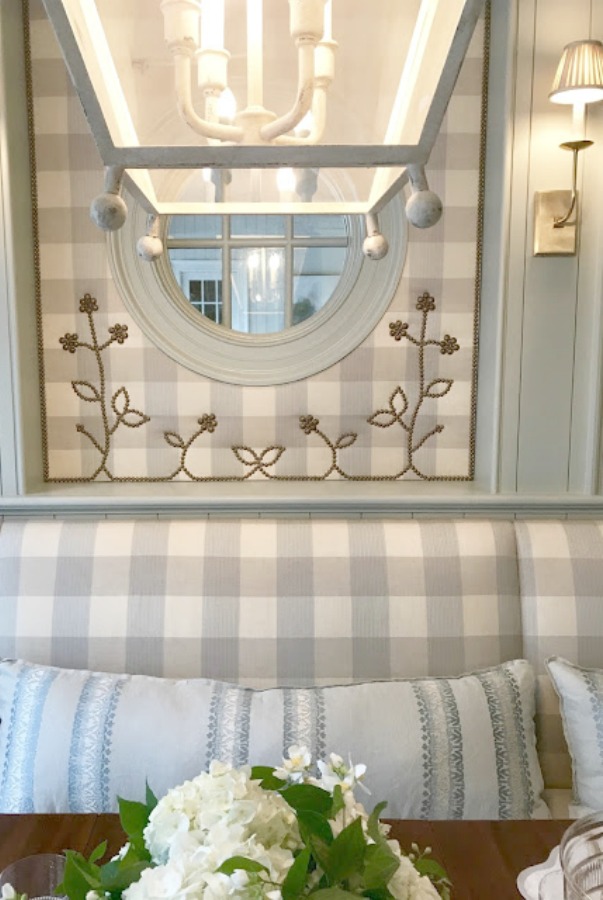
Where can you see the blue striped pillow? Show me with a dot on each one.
(435, 748)
(580, 693)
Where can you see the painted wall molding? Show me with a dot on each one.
(361, 298)
(340, 500)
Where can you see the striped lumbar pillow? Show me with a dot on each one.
(460, 747)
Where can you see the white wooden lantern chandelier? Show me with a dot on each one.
(348, 121)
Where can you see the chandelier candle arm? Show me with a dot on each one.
(319, 120)
(181, 19)
(324, 74)
(303, 101)
(183, 76)
(307, 24)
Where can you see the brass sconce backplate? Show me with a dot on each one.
(548, 240)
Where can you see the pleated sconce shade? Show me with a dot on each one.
(579, 76)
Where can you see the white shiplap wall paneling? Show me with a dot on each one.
(19, 390)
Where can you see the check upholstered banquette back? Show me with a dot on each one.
(265, 602)
(261, 602)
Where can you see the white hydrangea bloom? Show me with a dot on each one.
(223, 813)
(406, 883)
(200, 824)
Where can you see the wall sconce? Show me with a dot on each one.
(578, 81)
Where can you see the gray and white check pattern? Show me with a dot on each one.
(292, 602)
(261, 602)
(74, 262)
(561, 578)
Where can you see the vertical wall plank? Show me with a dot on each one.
(541, 362)
(497, 209)
(515, 284)
(551, 283)
(588, 381)
(20, 439)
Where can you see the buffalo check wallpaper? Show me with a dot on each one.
(400, 406)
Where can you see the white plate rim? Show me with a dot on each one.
(549, 865)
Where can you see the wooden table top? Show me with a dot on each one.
(482, 859)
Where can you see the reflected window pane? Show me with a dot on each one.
(316, 274)
(320, 226)
(257, 226)
(199, 274)
(258, 292)
(194, 227)
(269, 288)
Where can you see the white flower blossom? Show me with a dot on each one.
(335, 772)
(295, 768)
(8, 892)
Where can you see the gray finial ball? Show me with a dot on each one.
(375, 246)
(423, 209)
(149, 247)
(108, 211)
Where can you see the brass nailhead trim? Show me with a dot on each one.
(263, 461)
(257, 461)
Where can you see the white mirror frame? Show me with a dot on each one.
(159, 308)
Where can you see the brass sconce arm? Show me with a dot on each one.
(575, 147)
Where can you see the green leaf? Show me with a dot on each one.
(338, 802)
(321, 853)
(347, 851)
(378, 894)
(116, 877)
(98, 852)
(133, 816)
(429, 867)
(151, 799)
(307, 796)
(333, 893)
(293, 885)
(313, 824)
(373, 822)
(79, 876)
(268, 780)
(240, 862)
(381, 865)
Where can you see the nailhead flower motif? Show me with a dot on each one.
(208, 422)
(70, 342)
(398, 329)
(119, 333)
(426, 303)
(448, 345)
(88, 304)
(308, 424)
